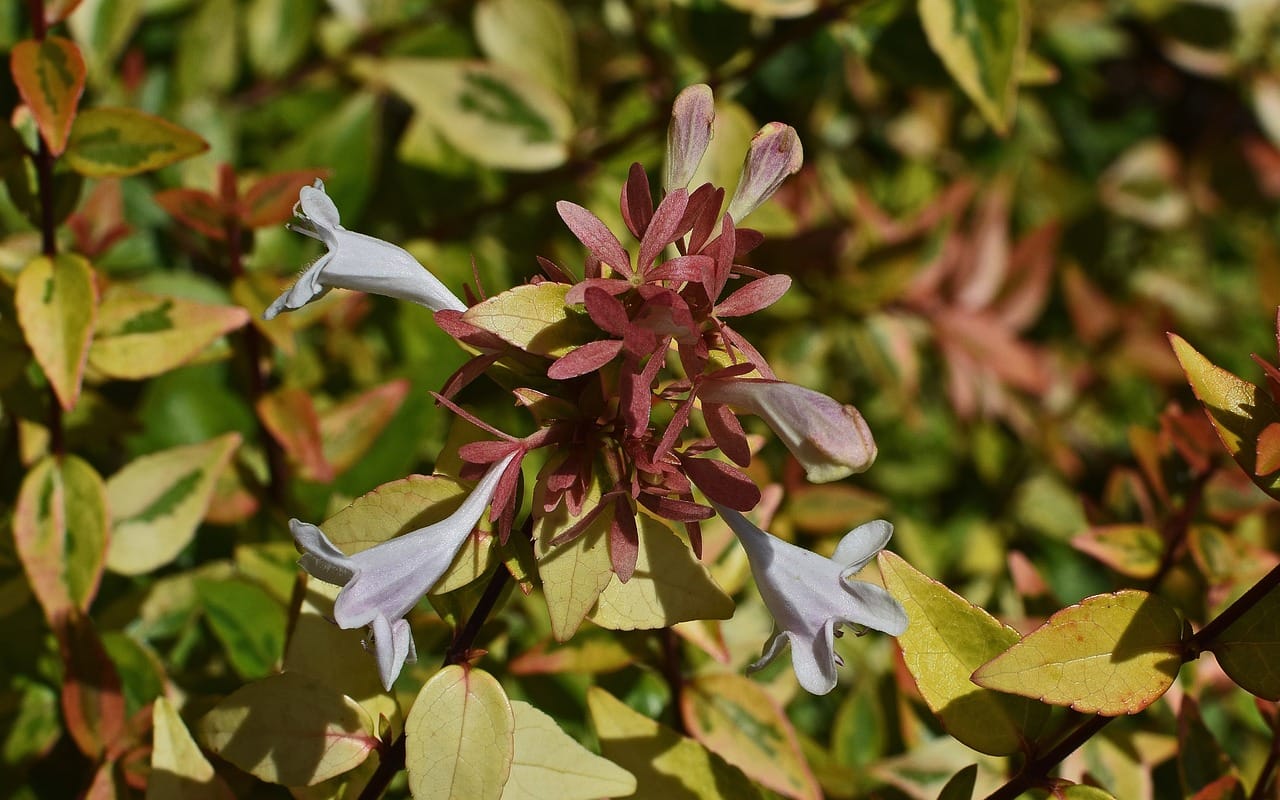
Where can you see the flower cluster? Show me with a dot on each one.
(636, 381)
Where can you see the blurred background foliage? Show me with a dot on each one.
(989, 278)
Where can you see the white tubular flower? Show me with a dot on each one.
(356, 261)
(382, 584)
(810, 596)
(775, 155)
(831, 441)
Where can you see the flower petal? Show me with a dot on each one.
(391, 645)
(318, 208)
(875, 608)
(860, 545)
(814, 659)
(319, 557)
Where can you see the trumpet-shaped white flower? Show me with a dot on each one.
(830, 440)
(775, 155)
(809, 596)
(382, 584)
(356, 261)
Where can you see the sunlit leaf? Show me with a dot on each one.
(534, 37)
(664, 763)
(138, 335)
(56, 302)
(179, 771)
(60, 532)
(669, 586)
(549, 765)
(289, 729)
(50, 77)
(158, 500)
(983, 44)
(573, 573)
(1109, 654)
(1238, 410)
(460, 737)
(115, 142)
(248, 621)
(349, 429)
(947, 638)
(533, 318)
(290, 416)
(733, 716)
(1133, 550)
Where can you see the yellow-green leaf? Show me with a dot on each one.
(1249, 649)
(60, 532)
(497, 115)
(333, 656)
(115, 142)
(1082, 792)
(349, 429)
(534, 318)
(576, 572)
(670, 585)
(460, 737)
(1238, 410)
(583, 655)
(960, 787)
(158, 500)
(664, 763)
(179, 771)
(138, 335)
(983, 44)
(535, 37)
(735, 717)
(289, 729)
(50, 77)
(946, 639)
(56, 302)
(1132, 550)
(550, 765)
(1109, 654)
(406, 505)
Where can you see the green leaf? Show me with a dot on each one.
(1249, 649)
(60, 533)
(406, 505)
(30, 721)
(983, 44)
(534, 37)
(497, 115)
(664, 763)
(735, 717)
(139, 335)
(1132, 550)
(947, 638)
(1238, 411)
(960, 787)
(550, 765)
(158, 500)
(534, 318)
(669, 586)
(50, 77)
(278, 33)
(102, 28)
(179, 771)
(1109, 654)
(115, 142)
(248, 621)
(460, 737)
(289, 729)
(575, 572)
(56, 302)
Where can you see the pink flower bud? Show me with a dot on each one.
(688, 135)
(831, 440)
(774, 156)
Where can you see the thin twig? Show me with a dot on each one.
(1036, 772)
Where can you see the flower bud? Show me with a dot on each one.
(774, 156)
(688, 135)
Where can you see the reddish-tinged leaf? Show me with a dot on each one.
(754, 296)
(57, 300)
(270, 200)
(486, 452)
(637, 201)
(722, 251)
(452, 323)
(467, 373)
(995, 347)
(585, 359)
(1268, 450)
(701, 214)
(727, 433)
(50, 77)
(290, 417)
(1023, 298)
(350, 428)
(92, 701)
(99, 223)
(1132, 550)
(200, 211)
(578, 292)
(595, 236)
(723, 483)
(554, 271)
(624, 539)
(56, 11)
(683, 268)
(675, 510)
(663, 229)
(748, 351)
(606, 311)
